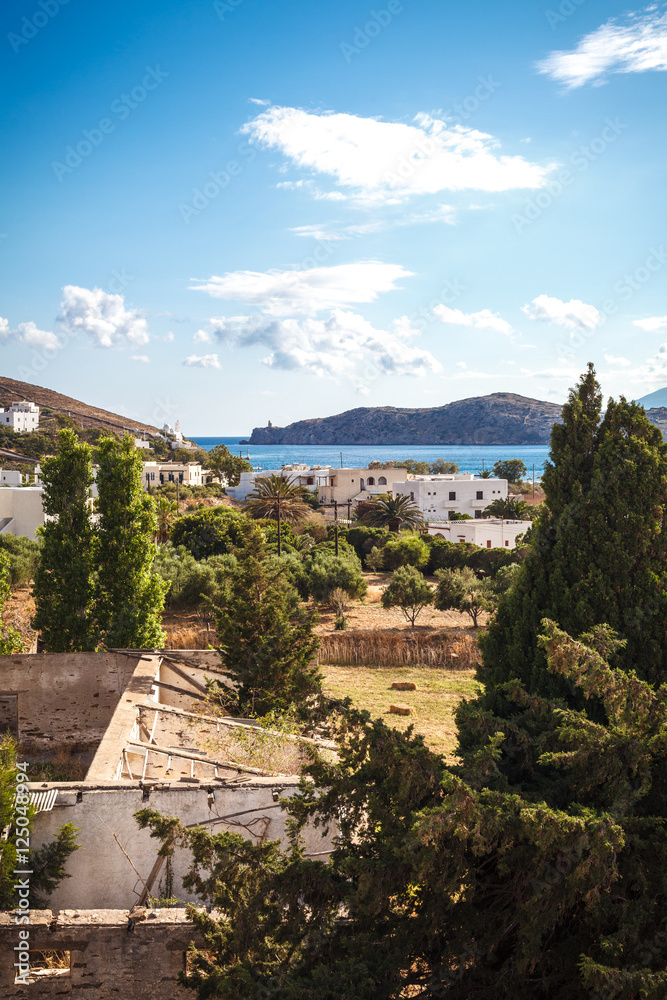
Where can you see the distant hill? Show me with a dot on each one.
(500, 418)
(83, 413)
(657, 399)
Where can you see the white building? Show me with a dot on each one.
(21, 511)
(10, 477)
(489, 532)
(313, 477)
(21, 416)
(331, 483)
(438, 497)
(187, 473)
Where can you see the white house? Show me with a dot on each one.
(21, 416)
(440, 496)
(21, 511)
(10, 477)
(313, 477)
(187, 473)
(331, 483)
(489, 532)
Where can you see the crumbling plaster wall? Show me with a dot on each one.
(102, 876)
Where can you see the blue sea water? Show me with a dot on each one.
(469, 458)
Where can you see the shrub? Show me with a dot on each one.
(408, 591)
(190, 580)
(403, 550)
(212, 532)
(364, 539)
(461, 590)
(23, 558)
(327, 572)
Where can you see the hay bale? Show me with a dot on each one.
(403, 686)
(401, 710)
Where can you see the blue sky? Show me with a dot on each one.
(237, 211)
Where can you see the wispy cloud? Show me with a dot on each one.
(29, 334)
(573, 315)
(390, 162)
(344, 345)
(617, 362)
(636, 45)
(287, 293)
(141, 357)
(102, 317)
(652, 323)
(202, 361)
(334, 231)
(482, 320)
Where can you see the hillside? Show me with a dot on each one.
(500, 418)
(85, 415)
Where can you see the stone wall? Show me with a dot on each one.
(109, 958)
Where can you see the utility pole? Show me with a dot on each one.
(349, 510)
(336, 524)
(279, 548)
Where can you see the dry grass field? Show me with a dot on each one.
(434, 702)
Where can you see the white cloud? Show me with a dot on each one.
(344, 345)
(574, 314)
(652, 323)
(202, 337)
(616, 362)
(29, 334)
(334, 231)
(141, 357)
(285, 293)
(391, 161)
(482, 320)
(102, 316)
(636, 46)
(169, 338)
(202, 361)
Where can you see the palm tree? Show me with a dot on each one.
(484, 474)
(391, 512)
(276, 498)
(517, 510)
(166, 514)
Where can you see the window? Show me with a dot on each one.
(506, 541)
(382, 481)
(480, 494)
(412, 496)
(371, 481)
(478, 515)
(452, 496)
(310, 480)
(488, 543)
(451, 514)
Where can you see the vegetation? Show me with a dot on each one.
(47, 865)
(279, 500)
(191, 582)
(461, 590)
(405, 550)
(438, 468)
(265, 637)
(10, 640)
(326, 572)
(166, 512)
(213, 531)
(24, 555)
(63, 590)
(129, 594)
(408, 591)
(226, 466)
(393, 513)
(517, 510)
(512, 469)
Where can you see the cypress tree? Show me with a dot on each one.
(63, 588)
(265, 636)
(129, 594)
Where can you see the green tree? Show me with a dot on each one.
(166, 511)
(325, 572)
(512, 469)
(393, 513)
(484, 474)
(408, 591)
(278, 499)
(129, 593)
(210, 532)
(517, 510)
(404, 550)
(442, 468)
(265, 636)
(462, 590)
(226, 466)
(63, 590)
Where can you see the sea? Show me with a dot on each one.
(469, 458)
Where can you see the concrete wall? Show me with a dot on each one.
(65, 698)
(432, 493)
(102, 876)
(107, 960)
